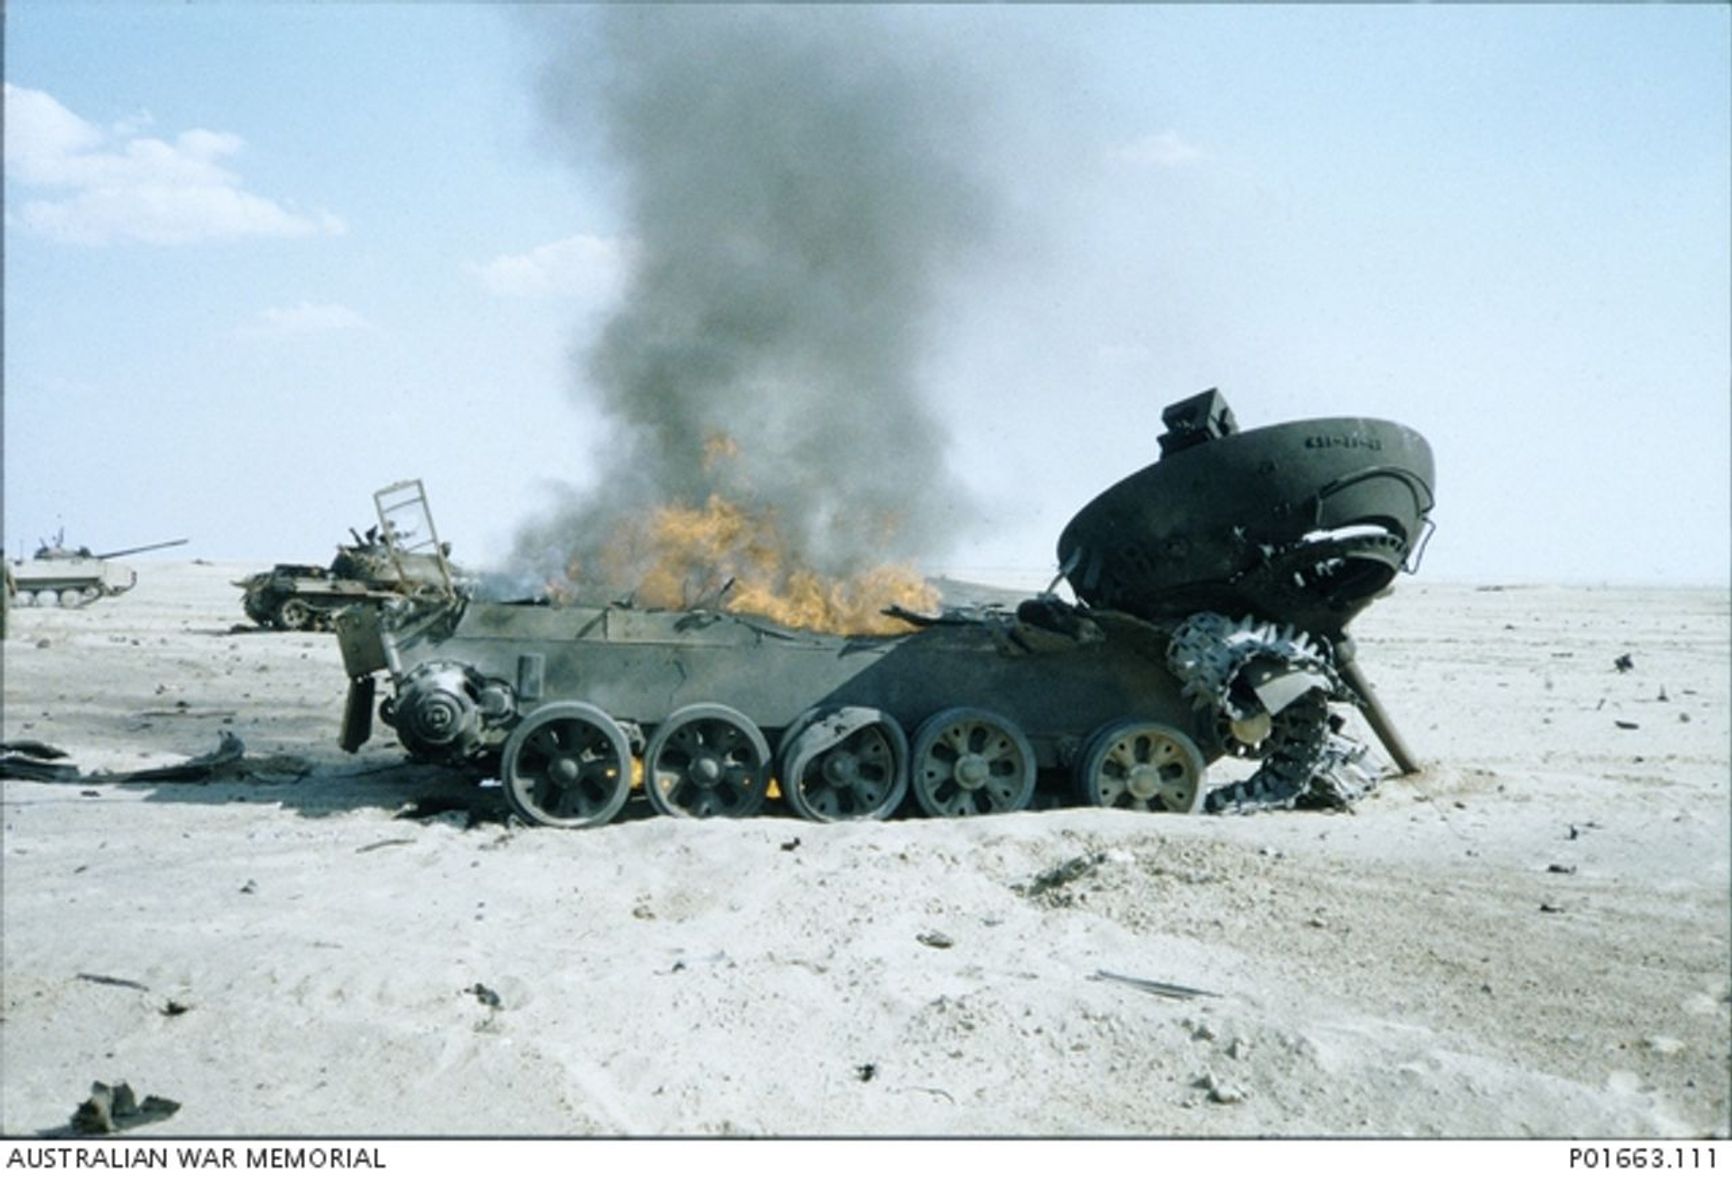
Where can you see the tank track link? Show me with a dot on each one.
(1304, 760)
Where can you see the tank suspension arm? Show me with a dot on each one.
(1372, 710)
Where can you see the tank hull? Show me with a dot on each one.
(643, 666)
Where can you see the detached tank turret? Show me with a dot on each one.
(1213, 590)
(307, 596)
(72, 578)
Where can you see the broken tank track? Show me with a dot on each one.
(1266, 688)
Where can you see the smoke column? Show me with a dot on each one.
(799, 186)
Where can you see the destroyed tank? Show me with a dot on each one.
(71, 578)
(1213, 590)
(307, 596)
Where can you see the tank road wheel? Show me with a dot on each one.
(294, 613)
(861, 776)
(568, 765)
(968, 761)
(706, 760)
(1148, 767)
(71, 598)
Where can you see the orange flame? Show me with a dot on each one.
(722, 554)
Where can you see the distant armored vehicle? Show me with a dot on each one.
(306, 596)
(71, 578)
(1212, 588)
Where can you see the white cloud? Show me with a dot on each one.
(301, 320)
(1167, 149)
(587, 267)
(118, 185)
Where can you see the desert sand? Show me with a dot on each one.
(1527, 939)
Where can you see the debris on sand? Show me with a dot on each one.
(35, 749)
(229, 751)
(29, 760)
(1060, 876)
(1158, 988)
(115, 1109)
(103, 979)
(1624, 663)
(381, 844)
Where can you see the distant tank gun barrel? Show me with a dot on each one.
(172, 543)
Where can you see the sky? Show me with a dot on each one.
(261, 260)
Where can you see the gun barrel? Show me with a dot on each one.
(1375, 716)
(173, 543)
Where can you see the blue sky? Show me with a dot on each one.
(262, 259)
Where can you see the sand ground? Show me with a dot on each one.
(1530, 938)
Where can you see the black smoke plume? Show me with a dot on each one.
(801, 192)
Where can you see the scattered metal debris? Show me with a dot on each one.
(380, 845)
(484, 995)
(935, 940)
(1624, 663)
(1158, 988)
(35, 749)
(1062, 875)
(115, 1109)
(229, 751)
(102, 979)
(32, 761)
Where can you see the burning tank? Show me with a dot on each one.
(1213, 590)
(307, 596)
(72, 578)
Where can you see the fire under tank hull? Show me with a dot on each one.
(1213, 591)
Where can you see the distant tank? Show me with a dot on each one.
(306, 596)
(1213, 590)
(72, 578)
